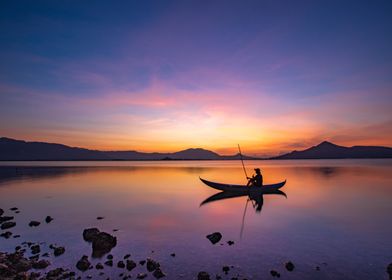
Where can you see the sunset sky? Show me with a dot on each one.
(272, 76)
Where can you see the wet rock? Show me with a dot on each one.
(389, 270)
(226, 269)
(152, 265)
(34, 224)
(6, 234)
(35, 249)
(120, 264)
(142, 262)
(317, 268)
(127, 256)
(83, 264)
(109, 263)
(110, 257)
(7, 225)
(6, 218)
(17, 212)
(158, 273)
(130, 265)
(99, 218)
(141, 276)
(1, 212)
(90, 234)
(48, 219)
(203, 276)
(289, 266)
(274, 273)
(41, 264)
(173, 255)
(58, 251)
(14, 208)
(16, 236)
(230, 242)
(99, 266)
(214, 237)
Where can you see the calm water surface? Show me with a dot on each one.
(337, 215)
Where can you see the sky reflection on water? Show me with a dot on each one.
(337, 212)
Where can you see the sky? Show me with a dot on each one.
(272, 76)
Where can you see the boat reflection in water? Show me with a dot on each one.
(256, 196)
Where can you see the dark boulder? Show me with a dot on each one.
(90, 234)
(6, 234)
(130, 265)
(58, 251)
(289, 266)
(152, 265)
(7, 225)
(35, 249)
(14, 208)
(214, 237)
(274, 273)
(99, 266)
(389, 271)
(230, 242)
(41, 264)
(83, 264)
(158, 273)
(48, 219)
(1, 212)
(203, 276)
(34, 224)
(103, 243)
(6, 218)
(120, 264)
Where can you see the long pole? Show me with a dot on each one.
(243, 166)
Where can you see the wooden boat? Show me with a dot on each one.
(243, 188)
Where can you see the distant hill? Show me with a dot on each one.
(11, 149)
(328, 150)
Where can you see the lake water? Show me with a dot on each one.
(337, 216)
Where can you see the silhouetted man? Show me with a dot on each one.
(256, 180)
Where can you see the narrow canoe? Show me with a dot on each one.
(242, 188)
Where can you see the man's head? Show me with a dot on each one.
(258, 171)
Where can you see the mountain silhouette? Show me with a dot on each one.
(328, 150)
(11, 149)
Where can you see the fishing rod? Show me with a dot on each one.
(243, 165)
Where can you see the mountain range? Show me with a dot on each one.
(11, 149)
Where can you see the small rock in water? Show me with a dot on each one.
(34, 224)
(48, 219)
(289, 266)
(6, 234)
(58, 251)
(6, 218)
(158, 273)
(16, 236)
(225, 269)
(14, 208)
(130, 265)
(203, 276)
(35, 249)
(110, 257)
(109, 263)
(90, 234)
(7, 225)
(152, 265)
(141, 276)
(99, 218)
(17, 212)
(274, 273)
(389, 270)
(1, 212)
(230, 242)
(317, 268)
(120, 264)
(173, 255)
(41, 264)
(99, 266)
(127, 256)
(83, 264)
(142, 262)
(214, 237)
